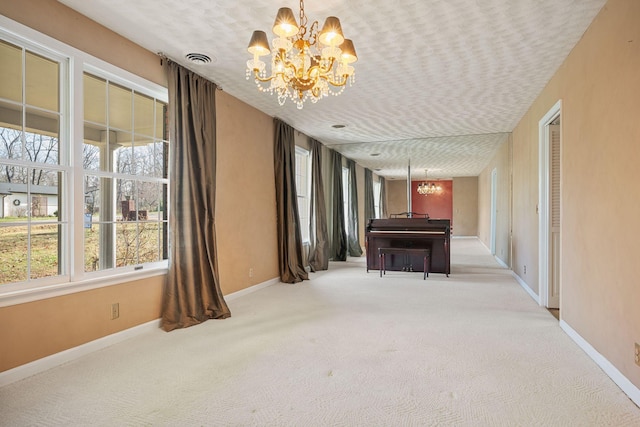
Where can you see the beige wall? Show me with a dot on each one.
(396, 196)
(465, 206)
(600, 92)
(37, 329)
(501, 163)
(245, 195)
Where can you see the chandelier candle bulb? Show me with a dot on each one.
(425, 188)
(285, 24)
(305, 63)
(331, 34)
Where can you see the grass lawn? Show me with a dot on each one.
(135, 244)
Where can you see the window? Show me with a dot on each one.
(124, 160)
(303, 189)
(83, 180)
(345, 197)
(376, 199)
(33, 166)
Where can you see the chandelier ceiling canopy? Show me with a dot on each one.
(305, 63)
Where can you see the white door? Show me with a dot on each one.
(550, 242)
(553, 298)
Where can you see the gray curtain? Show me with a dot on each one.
(192, 291)
(369, 197)
(383, 198)
(318, 236)
(338, 248)
(354, 235)
(290, 258)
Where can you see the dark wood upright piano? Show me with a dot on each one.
(424, 233)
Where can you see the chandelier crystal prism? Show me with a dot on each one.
(305, 63)
(425, 188)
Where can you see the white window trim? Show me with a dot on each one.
(78, 62)
(307, 154)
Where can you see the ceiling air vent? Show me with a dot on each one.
(198, 58)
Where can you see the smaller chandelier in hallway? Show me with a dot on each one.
(305, 63)
(425, 188)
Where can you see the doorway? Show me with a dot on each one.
(550, 151)
(494, 210)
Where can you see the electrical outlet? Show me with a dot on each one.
(115, 311)
(637, 354)
(251, 272)
(525, 269)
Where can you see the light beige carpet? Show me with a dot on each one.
(346, 348)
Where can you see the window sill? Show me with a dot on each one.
(22, 296)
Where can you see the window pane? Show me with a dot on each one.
(42, 82)
(143, 115)
(45, 240)
(13, 252)
(126, 243)
(10, 72)
(95, 99)
(161, 121)
(42, 137)
(98, 247)
(91, 200)
(91, 153)
(45, 195)
(143, 157)
(119, 107)
(155, 168)
(126, 197)
(123, 160)
(148, 200)
(13, 184)
(149, 241)
(10, 137)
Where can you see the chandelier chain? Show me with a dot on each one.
(303, 17)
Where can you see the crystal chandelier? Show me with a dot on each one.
(425, 188)
(305, 63)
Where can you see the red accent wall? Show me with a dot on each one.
(436, 205)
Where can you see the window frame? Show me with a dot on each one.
(376, 199)
(76, 63)
(305, 221)
(346, 197)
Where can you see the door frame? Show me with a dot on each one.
(494, 211)
(543, 201)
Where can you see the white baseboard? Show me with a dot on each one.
(24, 371)
(526, 287)
(251, 289)
(627, 386)
(501, 262)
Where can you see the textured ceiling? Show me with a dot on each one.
(439, 81)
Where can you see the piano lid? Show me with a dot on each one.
(408, 224)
